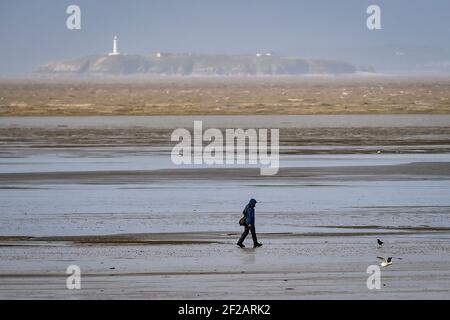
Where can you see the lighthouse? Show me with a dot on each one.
(114, 52)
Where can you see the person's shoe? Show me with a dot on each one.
(256, 245)
(240, 245)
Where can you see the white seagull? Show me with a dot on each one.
(386, 262)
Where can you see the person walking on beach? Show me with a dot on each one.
(248, 222)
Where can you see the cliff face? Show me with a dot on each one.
(196, 64)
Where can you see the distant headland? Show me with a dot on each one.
(116, 63)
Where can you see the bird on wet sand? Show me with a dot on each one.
(380, 243)
(386, 262)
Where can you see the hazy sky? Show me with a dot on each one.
(415, 34)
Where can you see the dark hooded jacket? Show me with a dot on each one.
(250, 214)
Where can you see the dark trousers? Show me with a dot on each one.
(245, 234)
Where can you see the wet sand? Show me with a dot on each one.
(208, 265)
(305, 135)
(141, 228)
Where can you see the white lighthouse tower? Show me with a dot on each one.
(114, 52)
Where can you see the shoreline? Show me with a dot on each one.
(169, 122)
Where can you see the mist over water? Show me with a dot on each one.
(412, 39)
